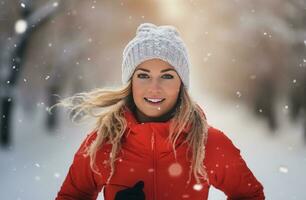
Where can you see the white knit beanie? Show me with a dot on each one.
(153, 41)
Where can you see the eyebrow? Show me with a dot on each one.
(164, 70)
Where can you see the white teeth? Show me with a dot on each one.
(154, 100)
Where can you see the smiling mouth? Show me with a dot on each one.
(154, 100)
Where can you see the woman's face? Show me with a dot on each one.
(155, 87)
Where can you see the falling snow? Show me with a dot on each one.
(20, 26)
(175, 169)
(34, 146)
(283, 169)
(56, 175)
(198, 187)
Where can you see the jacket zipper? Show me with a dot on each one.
(154, 165)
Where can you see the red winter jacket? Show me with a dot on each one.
(146, 156)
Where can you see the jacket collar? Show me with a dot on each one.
(161, 128)
(142, 132)
(135, 126)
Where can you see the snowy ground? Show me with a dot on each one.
(35, 166)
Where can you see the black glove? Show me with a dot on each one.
(133, 193)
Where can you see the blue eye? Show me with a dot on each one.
(142, 76)
(167, 76)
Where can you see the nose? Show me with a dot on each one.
(155, 86)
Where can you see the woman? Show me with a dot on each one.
(151, 140)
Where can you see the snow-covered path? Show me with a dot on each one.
(34, 168)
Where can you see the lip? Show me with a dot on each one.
(154, 103)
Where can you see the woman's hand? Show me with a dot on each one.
(133, 193)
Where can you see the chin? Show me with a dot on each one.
(153, 114)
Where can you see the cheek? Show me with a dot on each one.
(137, 91)
(172, 94)
(172, 88)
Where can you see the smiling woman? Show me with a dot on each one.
(156, 87)
(151, 140)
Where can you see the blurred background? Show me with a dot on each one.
(248, 74)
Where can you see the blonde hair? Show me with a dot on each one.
(111, 124)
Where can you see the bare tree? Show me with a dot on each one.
(12, 58)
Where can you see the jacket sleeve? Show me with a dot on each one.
(79, 183)
(229, 172)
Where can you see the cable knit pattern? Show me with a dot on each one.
(153, 41)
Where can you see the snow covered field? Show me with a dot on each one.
(36, 164)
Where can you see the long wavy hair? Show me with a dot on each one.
(107, 106)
